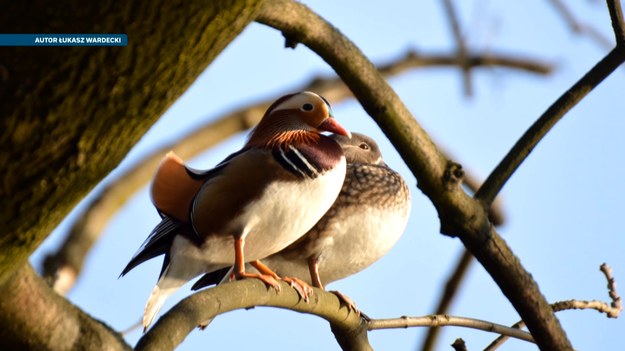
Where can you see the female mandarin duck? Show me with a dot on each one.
(257, 201)
(364, 223)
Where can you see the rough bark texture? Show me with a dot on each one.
(69, 115)
(35, 318)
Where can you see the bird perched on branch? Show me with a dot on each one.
(253, 204)
(363, 224)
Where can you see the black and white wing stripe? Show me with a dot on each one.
(296, 162)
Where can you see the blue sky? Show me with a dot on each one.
(563, 205)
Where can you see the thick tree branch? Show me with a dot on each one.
(69, 115)
(171, 329)
(33, 317)
(63, 266)
(439, 179)
(519, 152)
(348, 327)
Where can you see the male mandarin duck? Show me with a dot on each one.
(364, 223)
(257, 201)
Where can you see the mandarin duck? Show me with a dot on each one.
(364, 223)
(254, 203)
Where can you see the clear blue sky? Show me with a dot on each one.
(563, 206)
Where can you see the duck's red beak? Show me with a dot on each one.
(332, 126)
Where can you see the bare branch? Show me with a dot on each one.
(61, 268)
(171, 329)
(504, 170)
(349, 328)
(612, 311)
(556, 111)
(445, 320)
(438, 178)
(618, 23)
(578, 26)
(503, 338)
(461, 48)
(451, 289)
(616, 304)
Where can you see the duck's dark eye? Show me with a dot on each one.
(364, 146)
(307, 107)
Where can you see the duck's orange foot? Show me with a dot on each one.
(269, 280)
(303, 289)
(349, 303)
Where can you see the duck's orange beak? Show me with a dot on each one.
(332, 126)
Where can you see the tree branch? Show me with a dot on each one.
(62, 267)
(171, 329)
(618, 22)
(348, 327)
(33, 317)
(449, 293)
(461, 48)
(613, 310)
(439, 179)
(578, 26)
(445, 320)
(519, 152)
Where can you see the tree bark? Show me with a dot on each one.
(70, 114)
(35, 318)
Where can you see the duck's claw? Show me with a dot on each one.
(303, 289)
(269, 280)
(349, 303)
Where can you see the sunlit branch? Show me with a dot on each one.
(612, 310)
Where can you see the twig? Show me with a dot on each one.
(556, 111)
(438, 178)
(62, 267)
(618, 23)
(461, 48)
(504, 170)
(578, 26)
(616, 304)
(612, 311)
(503, 338)
(445, 320)
(451, 288)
